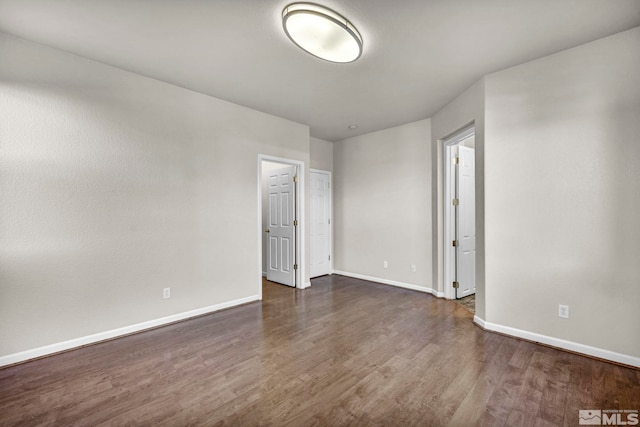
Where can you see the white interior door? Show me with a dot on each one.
(320, 224)
(280, 225)
(465, 223)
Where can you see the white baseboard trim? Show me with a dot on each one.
(306, 285)
(385, 281)
(480, 322)
(560, 343)
(23, 356)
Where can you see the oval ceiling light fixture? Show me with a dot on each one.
(322, 32)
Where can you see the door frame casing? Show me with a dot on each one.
(330, 214)
(449, 213)
(300, 215)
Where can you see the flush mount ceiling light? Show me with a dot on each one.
(322, 32)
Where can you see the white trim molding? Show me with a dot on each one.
(48, 350)
(560, 343)
(480, 322)
(389, 282)
(437, 293)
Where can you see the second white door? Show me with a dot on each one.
(281, 246)
(320, 226)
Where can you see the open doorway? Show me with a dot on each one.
(459, 219)
(281, 236)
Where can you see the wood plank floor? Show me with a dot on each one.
(344, 352)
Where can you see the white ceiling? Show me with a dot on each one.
(418, 54)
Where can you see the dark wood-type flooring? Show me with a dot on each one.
(344, 352)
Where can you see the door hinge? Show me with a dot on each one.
(295, 222)
(456, 285)
(456, 202)
(454, 243)
(329, 221)
(295, 266)
(295, 178)
(456, 160)
(329, 257)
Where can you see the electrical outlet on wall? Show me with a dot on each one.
(412, 268)
(385, 264)
(563, 311)
(166, 293)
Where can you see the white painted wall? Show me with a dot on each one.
(321, 154)
(114, 186)
(382, 204)
(562, 182)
